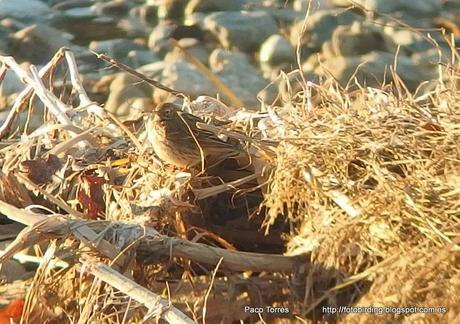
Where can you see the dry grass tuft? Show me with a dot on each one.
(370, 176)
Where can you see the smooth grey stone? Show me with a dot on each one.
(235, 70)
(24, 9)
(276, 49)
(319, 29)
(244, 31)
(213, 5)
(116, 48)
(416, 8)
(124, 91)
(374, 68)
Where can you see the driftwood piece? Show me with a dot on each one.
(232, 260)
(41, 227)
(151, 242)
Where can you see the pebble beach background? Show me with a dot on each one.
(245, 43)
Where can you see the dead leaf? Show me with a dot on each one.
(40, 170)
(91, 196)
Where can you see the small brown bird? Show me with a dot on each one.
(177, 140)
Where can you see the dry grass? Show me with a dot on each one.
(396, 159)
(367, 181)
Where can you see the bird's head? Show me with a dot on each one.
(166, 111)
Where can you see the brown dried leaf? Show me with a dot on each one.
(91, 196)
(40, 170)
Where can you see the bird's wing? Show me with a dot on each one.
(208, 140)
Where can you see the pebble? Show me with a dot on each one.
(25, 10)
(4, 40)
(244, 31)
(412, 7)
(319, 29)
(235, 70)
(116, 48)
(275, 50)
(9, 88)
(146, 14)
(171, 9)
(285, 16)
(125, 90)
(44, 40)
(302, 5)
(213, 5)
(12, 270)
(193, 47)
(159, 39)
(374, 68)
(183, 76)
(114, 8)
(137, 58)
(80, 13)
(359, 38)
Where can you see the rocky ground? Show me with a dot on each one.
(245, 43)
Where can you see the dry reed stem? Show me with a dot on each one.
(158, 307)
(137, 74)
(27, 92)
